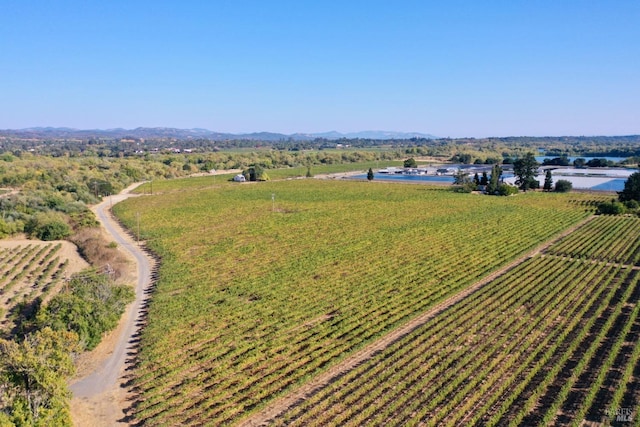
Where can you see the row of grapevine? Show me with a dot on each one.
(252, 302)
(28, 272)
(545, 343)
(606, 238)
(493, 359)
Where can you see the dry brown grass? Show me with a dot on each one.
(99, 252)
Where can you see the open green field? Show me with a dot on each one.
(265, 285)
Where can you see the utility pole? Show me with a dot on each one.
(273, 202)
(138, 221)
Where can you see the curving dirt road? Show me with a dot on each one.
(99, 396)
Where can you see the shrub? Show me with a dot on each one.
(466, 187)
(533, 184)
(7, 228)
(48, 226)
(563, 186)
(611, 208)
(632, 204)
(92, 307)
(507, 190)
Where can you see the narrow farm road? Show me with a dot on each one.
(99, 398)
(278, 407)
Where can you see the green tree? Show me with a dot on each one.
(563, 186)
(99, 187)
(410, 163)
(461, 177)
(525, 170)
(485, 179)
(548, 181)
(207, 166)
(463, 182)
(494, 180)
(631, 189)
(464, 158)
(579, 163)
(255, 173)
(33, 373)
(476, 179)
(370, 174)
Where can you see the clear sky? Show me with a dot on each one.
(449, 68)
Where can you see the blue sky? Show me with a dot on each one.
(449, 68)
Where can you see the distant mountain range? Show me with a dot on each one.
(185, 134)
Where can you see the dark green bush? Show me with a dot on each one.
(563, 186)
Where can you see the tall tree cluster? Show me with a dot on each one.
(526, 169)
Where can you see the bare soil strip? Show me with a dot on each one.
(307, 390)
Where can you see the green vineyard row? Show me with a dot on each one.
(28, 272)
(542, 344)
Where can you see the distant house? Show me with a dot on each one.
(239, 178)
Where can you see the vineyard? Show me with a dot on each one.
(608, 238)
(262, 287)
(28, 271)
(555, 340)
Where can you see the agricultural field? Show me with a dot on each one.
(556, 340)
(30, 270)
(263, 286)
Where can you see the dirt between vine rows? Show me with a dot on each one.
(68, 251)
(312, 387)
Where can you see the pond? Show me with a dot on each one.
(604, 182)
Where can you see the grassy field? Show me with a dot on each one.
(265, 285)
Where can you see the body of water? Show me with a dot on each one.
(613, 185)
(579, 182)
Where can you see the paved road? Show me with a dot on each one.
(105, 377)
